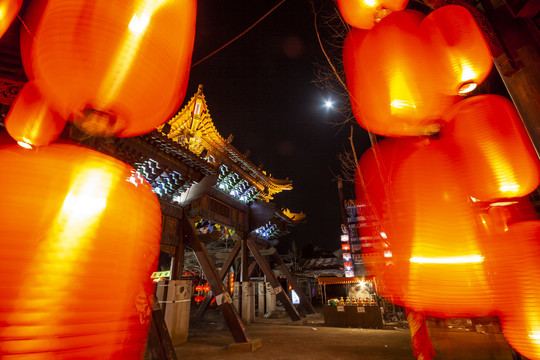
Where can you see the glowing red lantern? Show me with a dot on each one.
(517, 254)
(495, 156)
(199, 288)
(363, 14)
(424, 193)
(30, 119)
(114, 67)
(198, 299)
(389, 77)
(79, 240)
(458, 46)
(206, 287)
(9, 9)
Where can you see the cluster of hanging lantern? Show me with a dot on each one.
(201, 289)
(79, 230)
(447, 189)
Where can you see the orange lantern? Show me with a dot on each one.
(199, 288)
(517, 254)
(495, 155)
(8, 10)
(198, 299)
(206, 287)
(363, 14)
(459, 47)
(30, 120)
(114, 67)
(427, 209)
(389, 77)
(79, 240)
(374, 174)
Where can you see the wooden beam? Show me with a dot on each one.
(280, 294)
(160, 345)
(222, 273)
(252, 268)
(223, 299)
(303, 299)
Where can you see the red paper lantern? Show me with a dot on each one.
(517, 253)
(374, 175)
(79, 240)
(31, 121)
(199, 288)
(389, 72)
(198, 299)
(206, 287)
(495, 156)
(363, 14)
(427, 209)
(114, 67)
(8, 10)
(458, 46)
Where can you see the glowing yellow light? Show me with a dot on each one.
(138, 23)
(467, 73)
(509, 187)
(127, 51)
(370, 3)
(383, 235)
(467, 87)
(402, 104)
(535, 335)
(24, 144)
(466, 259)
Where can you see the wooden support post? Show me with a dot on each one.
(303, 299)
(160, 346)
(178, 266)
(244, 263)
(422, 347)
(281, 295)
(222, 273)
(223, 299)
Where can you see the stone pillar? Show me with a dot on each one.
(248, 302)
(261, 290)
(236, 295)
(270, 299)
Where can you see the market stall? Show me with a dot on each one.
(350, 302)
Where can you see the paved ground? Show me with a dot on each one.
(282, 339)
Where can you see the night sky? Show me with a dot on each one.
(260, 89)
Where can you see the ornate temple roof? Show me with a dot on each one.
(192, 127)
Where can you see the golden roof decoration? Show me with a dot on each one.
(192, 128)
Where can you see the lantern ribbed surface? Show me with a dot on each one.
(458, 46)
(495, 156)
(79, 239)
(436, 264)
(113, 67)
(30, 119)
(517, 288)
(389, 72)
